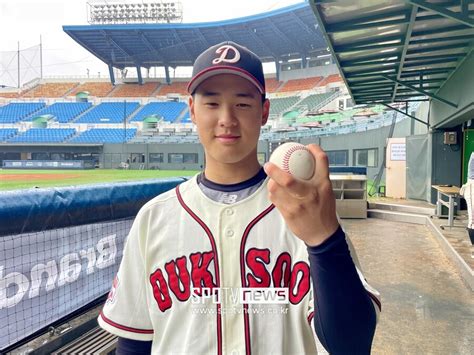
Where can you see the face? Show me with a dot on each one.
(229, 113)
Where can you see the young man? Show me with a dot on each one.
(195, 255)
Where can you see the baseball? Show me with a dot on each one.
(295, 159)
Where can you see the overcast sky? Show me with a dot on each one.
(24, 21)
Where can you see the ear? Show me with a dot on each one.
(191, 109)
(266, 111)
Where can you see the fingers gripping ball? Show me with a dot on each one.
(295, 159)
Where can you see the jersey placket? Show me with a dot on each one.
(230, 232)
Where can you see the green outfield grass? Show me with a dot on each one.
(55, 178)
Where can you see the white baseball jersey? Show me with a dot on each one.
(467, 191)
(182, 247)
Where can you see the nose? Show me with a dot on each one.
(227, 116)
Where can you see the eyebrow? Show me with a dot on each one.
(240, 94)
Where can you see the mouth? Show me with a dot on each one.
(227, 138)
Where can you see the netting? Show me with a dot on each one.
(45, 276)
(29, 66)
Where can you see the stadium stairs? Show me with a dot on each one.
(82, 114)
(111, 92)
(182, 115)
(134, 113)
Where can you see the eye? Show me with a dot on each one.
(211, 104)
(243, 105)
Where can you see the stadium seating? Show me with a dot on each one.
(272, 85)
(300, 84)
(169, 110)
(280, 104)
(44, 135)
(9, 95)
(109, 112)
(312, 102)
(64, 111)
(178, 87)
(104, 135)
(97, 89)
(7, 133)
(134, 90)
(186, 117)
(333, 78)
(50, 90)
(15, 112)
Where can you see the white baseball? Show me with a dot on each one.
(295, 159)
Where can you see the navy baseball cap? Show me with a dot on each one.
(228, 58)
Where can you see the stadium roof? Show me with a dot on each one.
(282, 34)
(396, 50)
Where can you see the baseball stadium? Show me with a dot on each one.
(386, 88)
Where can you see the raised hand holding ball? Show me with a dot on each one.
(294, 158)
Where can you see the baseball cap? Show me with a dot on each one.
(227, 58)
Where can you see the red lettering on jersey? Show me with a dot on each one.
(298, 291)
(182, 277)
(160, 290)
(200, 273)
(256, 260)
(282, 271)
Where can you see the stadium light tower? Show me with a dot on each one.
(134, 11)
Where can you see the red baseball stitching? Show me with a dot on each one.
(286, 157)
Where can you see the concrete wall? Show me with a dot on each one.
(367, 140)
(446, 162)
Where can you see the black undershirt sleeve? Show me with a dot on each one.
(344, 315)
(132, 347)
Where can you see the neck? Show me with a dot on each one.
(231, 173)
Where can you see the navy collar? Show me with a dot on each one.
(259, 177)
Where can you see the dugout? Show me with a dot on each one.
(426, 56)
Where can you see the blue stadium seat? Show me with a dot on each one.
(44, 135)
(7, 133)
(64, 111)
(17, 111)
(109, 112)
(104, 135)
(186, 117)
(170, 111)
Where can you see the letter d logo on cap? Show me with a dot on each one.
(223, 52)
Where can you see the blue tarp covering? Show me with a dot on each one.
(48, 208)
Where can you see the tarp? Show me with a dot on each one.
(23, 211)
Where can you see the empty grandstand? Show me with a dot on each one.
(43, 135)
(7, 133)
(168, 111)
(105, 135)
(51, 90)
(63, 112)
(98, 89)
(109, 112)
(17, 111)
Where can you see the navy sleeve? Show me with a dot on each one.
(132, 347)
(344, 315)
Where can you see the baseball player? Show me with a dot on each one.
(467, 191)
(240, 259)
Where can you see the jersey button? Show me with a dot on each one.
(229, 211)
(229, 233)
